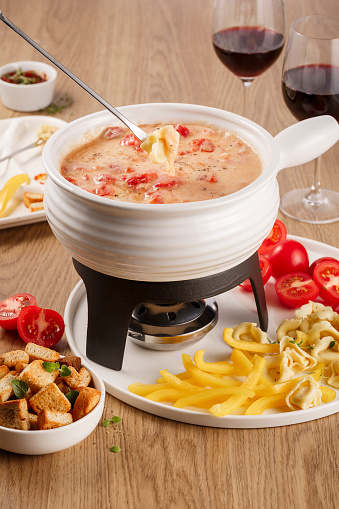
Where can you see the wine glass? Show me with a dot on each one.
(248, 36)
(310, 85)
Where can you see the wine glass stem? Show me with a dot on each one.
(246, 86)
(315, 194)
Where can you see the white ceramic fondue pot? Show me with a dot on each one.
(175, 242)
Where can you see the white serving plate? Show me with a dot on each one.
(143, 365)
(16, 133)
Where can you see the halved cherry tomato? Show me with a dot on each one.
(11, 307)
(266, 273)
(277, 234)
(319, 260)
(43, 327)
(288, 256)
(296, 289)
(326, 276)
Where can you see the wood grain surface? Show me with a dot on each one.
(139, 51)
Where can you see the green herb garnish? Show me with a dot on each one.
(331, 345)
(115, 448)
(72, 396)
(50, 366)
(20, 388)
(65, 371)
(115, 419)
(292, 341)
(20, 77)
(54, 108)
(310, 347)
(105, 423)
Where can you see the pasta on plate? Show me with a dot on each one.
(293, 372)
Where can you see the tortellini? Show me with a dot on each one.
(288, 328)
(332, 372)
(305, 394)
(325, 350)
(248, 331)
(291, 360)
(162, 146)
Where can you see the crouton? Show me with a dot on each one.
(50, 398)
(10, 359)
(14, 414)
(20, 366)
(49, 419)
(61, 384)
(6, 389)
(4, 370)
(30, 199)
(71, 360)
(86, 376)
(36, 376)
(74, 379)
(37, 352)
(88, 399)
(33, 420)
(34, 207)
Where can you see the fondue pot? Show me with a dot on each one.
(173, 243)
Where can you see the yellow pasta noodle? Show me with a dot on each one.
(236, 401)
(259, 375)
(249, 346)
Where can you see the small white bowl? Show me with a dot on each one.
(36, 442)
(28, 97)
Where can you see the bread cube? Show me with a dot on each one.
(87, 400)
(49, 419)
(14, 414)
(6, 389)
(4, 370)
(51, 398)
(10, 359)
(71, 360)
(37, 352)
(36, 376)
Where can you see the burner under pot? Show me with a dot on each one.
(148, 312)
(167, 327)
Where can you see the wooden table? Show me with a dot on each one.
(134, 51)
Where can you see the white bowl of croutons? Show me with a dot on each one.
(48, 403)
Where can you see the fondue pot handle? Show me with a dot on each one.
(306, 140)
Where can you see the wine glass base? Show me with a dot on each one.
(297, 205)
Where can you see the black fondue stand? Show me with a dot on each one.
(111, 302)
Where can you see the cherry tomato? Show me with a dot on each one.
(288, 256)
(43, 327)
(319, 260)
(277, 234)
(11, 307)
(266, 273)
(326, 276)
(296, 289)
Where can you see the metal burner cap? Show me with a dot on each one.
(170, 327)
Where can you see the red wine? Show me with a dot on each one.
(248, 51)
(312, 90)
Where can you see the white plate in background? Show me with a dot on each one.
(16, 133)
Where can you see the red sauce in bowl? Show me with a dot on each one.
(20, 77)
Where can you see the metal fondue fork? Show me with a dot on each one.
(139, 133)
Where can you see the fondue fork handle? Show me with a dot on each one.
(31, 145)
(139, 133)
